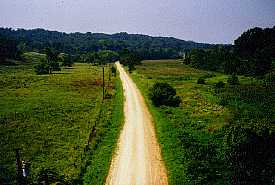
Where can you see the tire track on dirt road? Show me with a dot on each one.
(137, 160)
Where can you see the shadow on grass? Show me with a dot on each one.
(60, 73)
(50, 176)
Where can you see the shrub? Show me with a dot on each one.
(46, 67)
(201, 80)
(66, 60)
(41, 68)
(250, 151)
(224, 101)
(220, 84)
(233, 80)
(131, 67)
(269, 79)
(209, 75)
(164, 94)
(54, 66)
(187, 60)
(113, 70)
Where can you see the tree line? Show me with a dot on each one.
(252, 54)
(54, 60)
(8, 50)
(78, 43)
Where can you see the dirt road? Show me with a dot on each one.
(137, 160)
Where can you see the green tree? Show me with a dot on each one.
(50, 64)
(164, 94)
(201, 80)
(8, 49)
(257, 47)
(65, 59)
(187, 59)
(52, 60)
(250, 155)
(130, 59)
(92, 57)
(107, 56)
(233, 80)
(220, 85)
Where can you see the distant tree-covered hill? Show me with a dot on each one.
(76, 43)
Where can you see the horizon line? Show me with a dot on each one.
(113, 33)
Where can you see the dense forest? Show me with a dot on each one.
(252, 54)
(81, 43)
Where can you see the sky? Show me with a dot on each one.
(208, 21)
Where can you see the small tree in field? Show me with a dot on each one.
(201, 80)
(52, 60)
(220, 85)
(233, 80)
(131, 67)
(164, 94)
(48, 65)
(42, 68)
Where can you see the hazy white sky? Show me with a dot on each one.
(212, 21)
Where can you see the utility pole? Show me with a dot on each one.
(110, 71)
(103, 83)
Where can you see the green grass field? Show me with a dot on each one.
(50, 118)
(190, 135)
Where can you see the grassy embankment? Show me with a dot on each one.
(51, 119)
(191, 136)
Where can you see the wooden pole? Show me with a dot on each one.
(103, 83)
(110, 71)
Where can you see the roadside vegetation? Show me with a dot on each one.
(164, 94)
(63, 128)
(223, 130)
(202, 138)
(187, 134)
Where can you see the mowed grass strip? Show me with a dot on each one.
(101, 153)
(50, 118)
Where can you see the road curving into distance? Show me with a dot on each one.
(137, 160)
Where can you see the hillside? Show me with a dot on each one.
(147, 46)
